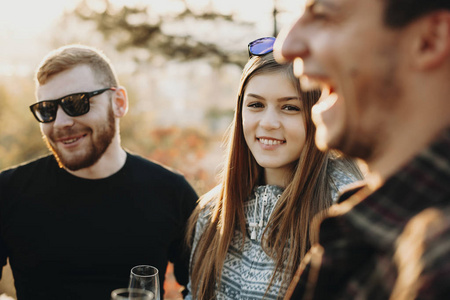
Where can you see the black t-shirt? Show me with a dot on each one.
(74, 238)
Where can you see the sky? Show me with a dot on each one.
(26, 25)
(23, 24)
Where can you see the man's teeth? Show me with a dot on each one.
(298, 67)
(70, 141)
(326, 101)
(270, 142)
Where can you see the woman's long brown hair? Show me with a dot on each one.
(286, 237)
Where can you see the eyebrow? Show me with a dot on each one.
(282, 99)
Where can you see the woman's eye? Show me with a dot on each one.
(255, 105)
(291, 108)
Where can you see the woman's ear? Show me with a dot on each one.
(120, 102)
(432, 46)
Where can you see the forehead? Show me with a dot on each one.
(343, 23)
(75, 80)
(272, 84)
(347, 6)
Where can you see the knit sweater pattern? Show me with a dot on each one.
(248, 270)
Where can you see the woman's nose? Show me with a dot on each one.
(270, 120)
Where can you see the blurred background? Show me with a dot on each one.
(180, 61)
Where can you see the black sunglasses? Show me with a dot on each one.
(261, 46)
(73, 105)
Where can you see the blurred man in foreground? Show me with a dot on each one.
(74, 223)
(385, 70)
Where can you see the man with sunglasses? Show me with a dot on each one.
(74, 223)
(384, 67)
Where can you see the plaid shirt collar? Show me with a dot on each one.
(364, 223)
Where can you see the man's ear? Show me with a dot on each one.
(120, 102)
(432, 44)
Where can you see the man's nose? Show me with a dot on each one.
(62, 119)
(291, 43)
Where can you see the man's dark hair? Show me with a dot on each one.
(399, 13)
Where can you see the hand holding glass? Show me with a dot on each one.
(147, 278)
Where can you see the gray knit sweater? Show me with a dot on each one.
(247, 272)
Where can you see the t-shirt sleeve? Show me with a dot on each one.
(179, 253)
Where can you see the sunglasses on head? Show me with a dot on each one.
(73, 105)
(261, 46)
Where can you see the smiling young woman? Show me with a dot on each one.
(251, 231)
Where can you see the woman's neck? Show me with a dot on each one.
(278, 177)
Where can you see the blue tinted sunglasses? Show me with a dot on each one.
(261, 46)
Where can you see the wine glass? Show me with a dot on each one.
(131, 294)
(145, 277)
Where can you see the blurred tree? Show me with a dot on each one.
(139, 28)
(20, 138)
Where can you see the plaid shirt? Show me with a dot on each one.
(393, 243)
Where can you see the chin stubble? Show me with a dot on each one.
(95, 151)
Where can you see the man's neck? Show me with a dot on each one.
(403, 143)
